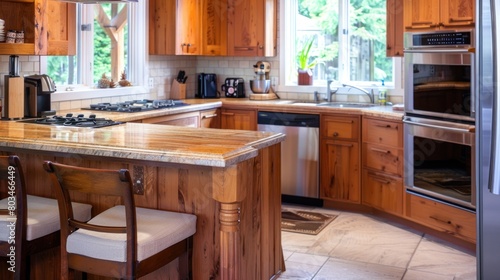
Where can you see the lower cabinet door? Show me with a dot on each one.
(340, 171)
(383, 192)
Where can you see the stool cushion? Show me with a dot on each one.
(156, 231)
(43, 216)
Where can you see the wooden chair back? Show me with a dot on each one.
(13, 187)
(66, 179)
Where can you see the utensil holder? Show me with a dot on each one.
(178, 90)
(13, 97)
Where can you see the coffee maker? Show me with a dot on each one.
(37, 95)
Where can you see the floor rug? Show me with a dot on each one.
(304, 221)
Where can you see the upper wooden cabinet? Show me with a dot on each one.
(188, 27)
(437, 15)
(198, 26)
(212, 27)
(49, 27)
(252, 27)
(395, 28)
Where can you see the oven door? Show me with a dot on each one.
(439, 83)
(439, 160)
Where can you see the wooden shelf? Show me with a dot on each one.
(17, 49)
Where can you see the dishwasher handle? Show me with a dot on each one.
(288, 119)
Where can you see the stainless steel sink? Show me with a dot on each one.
(300, 102)
(347, 105)
(326, 104)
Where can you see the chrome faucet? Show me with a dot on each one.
(329, 92)
(369, 93)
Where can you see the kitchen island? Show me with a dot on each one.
(230, 179)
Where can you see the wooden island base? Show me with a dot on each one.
(238, 209)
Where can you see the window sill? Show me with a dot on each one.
(78, 93)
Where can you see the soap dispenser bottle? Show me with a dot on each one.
(382, 94)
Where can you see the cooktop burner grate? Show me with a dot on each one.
(74, 121)
(136, 105)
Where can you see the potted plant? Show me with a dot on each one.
(305, 75)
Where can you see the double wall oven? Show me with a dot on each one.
(439, 116)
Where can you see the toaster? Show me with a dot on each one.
(234, 87)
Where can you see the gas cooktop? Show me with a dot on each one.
(74, 121)
(136, 105)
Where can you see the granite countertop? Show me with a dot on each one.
(278, 105)
(137, 141)
(168, 144)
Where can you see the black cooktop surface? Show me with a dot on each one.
(136, 105)
(74, 121)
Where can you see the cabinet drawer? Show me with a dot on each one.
(210, 118)
(383, 158)
(340, 128)
(457, 222)
(383, 132)
(383, 192)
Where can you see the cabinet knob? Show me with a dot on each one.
(335, 134)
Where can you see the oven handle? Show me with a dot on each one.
(447, 51)
(456, 129)
(494, 177)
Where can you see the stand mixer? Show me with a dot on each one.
(261, 86)
(262, 83)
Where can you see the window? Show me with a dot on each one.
(110, 40)
(348, 41)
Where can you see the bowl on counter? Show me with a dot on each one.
(260, 86)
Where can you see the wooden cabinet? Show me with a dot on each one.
(238, 119)
(162, 19)
(451, 220)
(395, 28)
(437, 15)
(339, 158)
(191, 119)
(188, 27)
(252, 27)
(210, 118)
(198, 26)
(382, 157)
(49, 27)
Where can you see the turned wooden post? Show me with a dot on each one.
(230, 185)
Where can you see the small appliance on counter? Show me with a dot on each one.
(206, 86)
(262, 84)
(234, 87)
(13, 91)
(37, 95)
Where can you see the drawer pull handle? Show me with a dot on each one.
(387, 126)
(228, 114)
(209, 116)
(381, 151)
(242, 49)
(343, 145)
(440, 220)
(380, 180)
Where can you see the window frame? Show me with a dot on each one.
(287, 38)
(137, 45)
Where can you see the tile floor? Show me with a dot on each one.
(357, 246)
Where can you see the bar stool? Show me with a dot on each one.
(31, 221)
(123, 241)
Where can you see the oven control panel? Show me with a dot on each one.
(439, 39)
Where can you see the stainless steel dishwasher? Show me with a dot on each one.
(299, 154)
